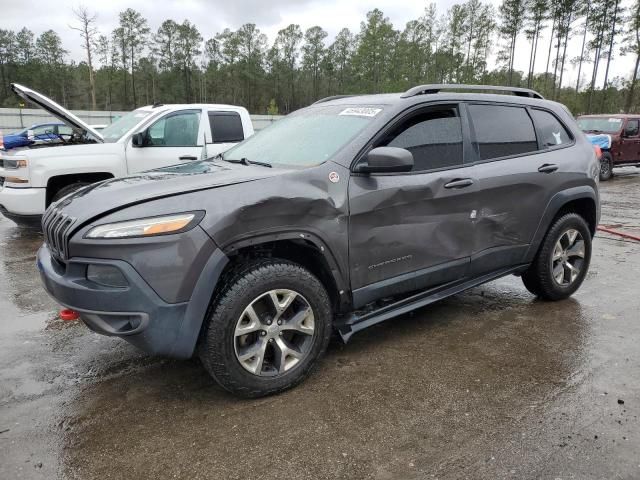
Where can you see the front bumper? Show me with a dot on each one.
(23, 205)
(135, 312)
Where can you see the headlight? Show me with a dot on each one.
(144, 227)
(15, 164)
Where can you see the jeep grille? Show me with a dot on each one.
(56, 227)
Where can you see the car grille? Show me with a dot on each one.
(56, 227)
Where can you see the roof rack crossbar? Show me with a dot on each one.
(437, 87)
(332, 97)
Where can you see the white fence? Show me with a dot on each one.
(12, 119)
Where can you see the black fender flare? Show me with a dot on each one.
(558, 201)
(339, 275)
(198, 305)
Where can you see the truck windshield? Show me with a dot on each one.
(305, 138)
(600, 124)
(117, 129)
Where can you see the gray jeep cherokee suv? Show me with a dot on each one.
(341, 215)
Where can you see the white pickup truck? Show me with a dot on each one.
(147, 138)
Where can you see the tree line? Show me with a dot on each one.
(469, 43)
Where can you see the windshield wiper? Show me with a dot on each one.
(246, 161)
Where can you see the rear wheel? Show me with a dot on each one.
(606, 166)
(562, 261)
(267, 329)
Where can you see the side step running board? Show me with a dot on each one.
(350, 324)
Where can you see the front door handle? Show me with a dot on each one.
(459, 183)
(548, 168)
(188, 157)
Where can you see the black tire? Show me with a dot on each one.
(606, 166)
(217, 348)
(67, 189)
(539, 279)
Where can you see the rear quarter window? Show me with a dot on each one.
(552, 132)
(226, 127)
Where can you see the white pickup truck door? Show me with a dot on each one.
(177, 137)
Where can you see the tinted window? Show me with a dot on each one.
(631, 128)
(175, 130)
(502, 131)
(434, 138)
(226, 127)
(552, 132)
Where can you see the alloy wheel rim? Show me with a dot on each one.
(274, 333)
(568, 257)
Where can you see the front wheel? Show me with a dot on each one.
(267, 329)
(68, 189)
(562, 261)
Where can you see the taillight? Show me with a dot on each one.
(598, 151)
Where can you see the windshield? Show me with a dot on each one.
(306, 138)
(600, 124)
(21, 132)
(117, 129)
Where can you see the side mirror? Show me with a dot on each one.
(387, 160)
(137, 140)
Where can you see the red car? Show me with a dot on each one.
(619, 138)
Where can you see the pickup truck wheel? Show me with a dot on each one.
(562, 261)
(606, 167)
(66, 190)
(266, 331)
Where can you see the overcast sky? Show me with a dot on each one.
(213, 16)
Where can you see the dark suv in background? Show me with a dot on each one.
(343, 214)
(618, 136)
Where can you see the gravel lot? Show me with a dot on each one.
(489, 384)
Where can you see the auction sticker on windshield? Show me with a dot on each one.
(361, 111)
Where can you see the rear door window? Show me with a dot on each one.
(552, 132)
(226, 127)
(502, 131)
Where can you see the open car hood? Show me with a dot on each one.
(58, 111)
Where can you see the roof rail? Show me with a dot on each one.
(332, 97)
(437, 87)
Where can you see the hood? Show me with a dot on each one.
(111, 195)
(58, 111)
(57, 151)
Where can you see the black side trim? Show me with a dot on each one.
(411, 282)
(349, 325)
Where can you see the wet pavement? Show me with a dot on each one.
(489, 384)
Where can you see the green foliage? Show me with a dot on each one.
(174, 64)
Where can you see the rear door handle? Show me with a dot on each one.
(188, 157)
(548, 168)
(459, 183)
